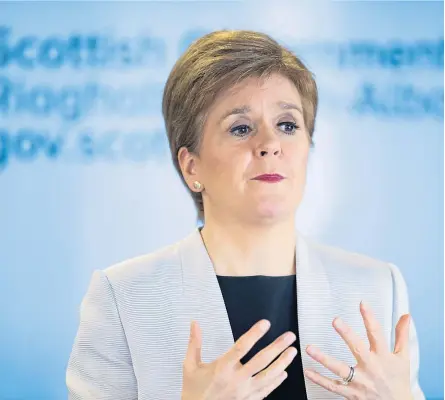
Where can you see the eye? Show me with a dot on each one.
(289, 127)
(240, 130)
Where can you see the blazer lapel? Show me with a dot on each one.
(315, 314)
(204, 302)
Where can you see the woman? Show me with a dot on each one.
(245, 307)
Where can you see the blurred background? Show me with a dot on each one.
(86, 178)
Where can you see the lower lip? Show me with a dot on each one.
(270, 179)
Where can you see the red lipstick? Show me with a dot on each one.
(272, 178)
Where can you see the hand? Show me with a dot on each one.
(226, 378)
(380, 373)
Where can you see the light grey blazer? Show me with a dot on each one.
(135, 318)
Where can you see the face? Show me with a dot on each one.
(254, 129)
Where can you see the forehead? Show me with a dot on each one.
(274, 89)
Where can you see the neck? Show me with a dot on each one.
(245, 250)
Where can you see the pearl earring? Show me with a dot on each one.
(197, 185)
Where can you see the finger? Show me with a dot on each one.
(193, 355)
(402, 335)
(330, 384)
(276, 368)
(339, 368)
(374, 330)
(246, 341)
(357, 346)
(270, 387)
(263, 358)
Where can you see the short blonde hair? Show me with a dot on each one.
(211, 65)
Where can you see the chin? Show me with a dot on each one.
(271, 212)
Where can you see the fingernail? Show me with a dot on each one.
(289, 337)
(292, 352)
(364, 305)
(309, 372)
(264, 325)
(191, 329)
(339, 323)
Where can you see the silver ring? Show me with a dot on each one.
(348, 380)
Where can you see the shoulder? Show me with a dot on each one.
(162, 265)
(342, 260)
(350, 269)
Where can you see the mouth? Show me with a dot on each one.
(271, 178)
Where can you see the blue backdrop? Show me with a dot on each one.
(86, 179)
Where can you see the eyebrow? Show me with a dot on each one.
(246, 109)
(235, 111)
(289, 106)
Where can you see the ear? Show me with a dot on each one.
(188, 164)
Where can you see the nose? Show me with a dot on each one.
(264, 153)
(268, 145)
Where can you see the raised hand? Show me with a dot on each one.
(380, 373)
(226, 378)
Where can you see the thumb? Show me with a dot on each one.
(193, 355)
(402, 335)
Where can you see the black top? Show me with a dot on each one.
(249, 299)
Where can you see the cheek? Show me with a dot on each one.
(298, 161)
(302, 163)
(227, 169)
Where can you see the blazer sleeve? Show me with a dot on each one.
(401, 306)
(100, 364)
